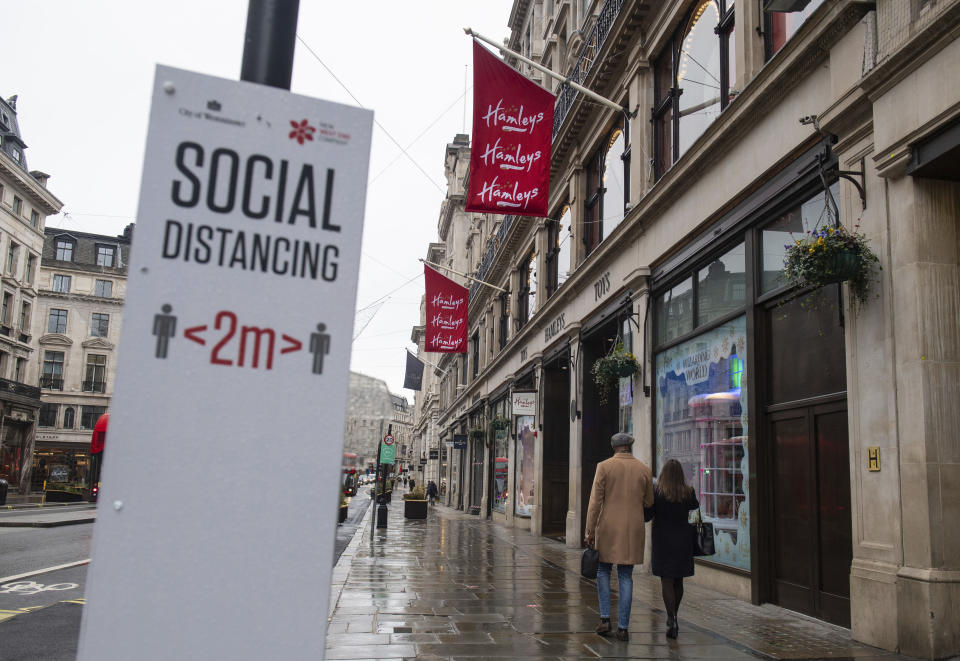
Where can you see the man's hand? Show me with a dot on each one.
(588, 539)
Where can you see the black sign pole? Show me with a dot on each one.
(269, 42)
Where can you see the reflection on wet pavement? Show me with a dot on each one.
(458, 587)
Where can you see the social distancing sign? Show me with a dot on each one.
(216, 521)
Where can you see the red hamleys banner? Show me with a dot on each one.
(512, 133)
(446, 330)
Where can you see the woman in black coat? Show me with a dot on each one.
(672, 537)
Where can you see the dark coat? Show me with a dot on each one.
(672, 536)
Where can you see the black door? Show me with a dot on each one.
(812, 540)
(556, 446)
(807, 458)
(476, 476)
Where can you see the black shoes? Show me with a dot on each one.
(604, 627)
(623, 634)
(672, 629)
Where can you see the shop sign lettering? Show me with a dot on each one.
(554, 327)
(696, 367)
(524, 403)
(601, 287)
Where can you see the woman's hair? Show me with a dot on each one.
(672, 484)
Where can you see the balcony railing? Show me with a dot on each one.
(50, 382)
(595, 38)
(489, 255)
(94, 386)
(17, 388)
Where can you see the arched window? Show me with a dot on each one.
(68, 418)
(694, 77)
(613, 183)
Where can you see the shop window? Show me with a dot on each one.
(559, 237)
(781, 25)
(525, 470)
(693, 80)
(103, 288)
(96, 376)
(61, 283)
(721, 286)
(501, 461)
(625, 407)
(99, 324)
(57, 322)
(48, 415)
(89, 415)
(701, 421)
(65, 250)
(674, 312)
(776, 237)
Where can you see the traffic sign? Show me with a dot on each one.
(388, 450)
(249, 194)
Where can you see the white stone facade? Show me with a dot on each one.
(710, 165)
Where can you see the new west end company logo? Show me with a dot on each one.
(302, 131)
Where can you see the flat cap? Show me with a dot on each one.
(621, 439)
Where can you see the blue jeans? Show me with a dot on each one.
(625, 598)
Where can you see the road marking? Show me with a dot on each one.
(28, 574)
(32, 587)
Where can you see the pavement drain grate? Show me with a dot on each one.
(403, 630)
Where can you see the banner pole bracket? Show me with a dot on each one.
(462, 275)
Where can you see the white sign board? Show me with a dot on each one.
(524, 403)
(216, 520)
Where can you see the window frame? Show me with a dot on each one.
(103, 250)
(668, 100)
(63, 279)
(92, 369)
(95, 325)
(64, 317)
(62, 245)
(50, 377)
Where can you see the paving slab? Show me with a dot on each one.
(33, 518)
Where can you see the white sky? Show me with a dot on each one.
(83, 70)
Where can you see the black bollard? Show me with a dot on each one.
(381, 513)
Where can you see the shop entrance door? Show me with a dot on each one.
(600, 420)
(812, 545)
(556, 447)
(806, 462)
(476, 476)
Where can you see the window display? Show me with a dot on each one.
(525, 468)
(702, 423)
(501, 466)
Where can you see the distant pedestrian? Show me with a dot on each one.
(404, 481)
(672, 537)
(411, 484)
(432, 492)
(615, 526)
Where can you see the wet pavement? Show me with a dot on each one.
(458, 587)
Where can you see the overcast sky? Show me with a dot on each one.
(83, 70)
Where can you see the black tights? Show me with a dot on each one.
(672, 589)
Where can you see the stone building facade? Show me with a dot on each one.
(820, 438)
(369, 414)
(80, 294)
(25, 204)
(402, 421)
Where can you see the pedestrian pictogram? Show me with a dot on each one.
(319, 347)
(164, 327)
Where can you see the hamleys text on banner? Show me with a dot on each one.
(512, 133)
(446, 327)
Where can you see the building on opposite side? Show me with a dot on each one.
(25, 204)
(80, 293)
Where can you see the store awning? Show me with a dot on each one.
(938, 156)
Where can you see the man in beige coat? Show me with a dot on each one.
(622, 487)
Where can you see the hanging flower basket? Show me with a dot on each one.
(831, 255)
(477, 434)
(608, 371)
(499, 424)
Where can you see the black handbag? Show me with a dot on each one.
(702, 537)
(589, 562)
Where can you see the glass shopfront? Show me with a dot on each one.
(61, 468)
(702, 423)
(501, 455)
(525, 470)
